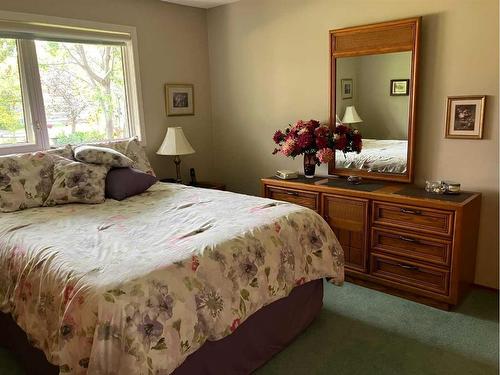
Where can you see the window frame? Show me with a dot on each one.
(73, 31)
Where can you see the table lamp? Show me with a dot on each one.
(175, 143)
(351, 116)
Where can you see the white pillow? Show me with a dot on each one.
(102, 156)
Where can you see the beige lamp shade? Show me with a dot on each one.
(175, 143)
(351, 116)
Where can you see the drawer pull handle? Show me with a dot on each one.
(294, 193)
(408, 239)
(413, 212)
(407, 267)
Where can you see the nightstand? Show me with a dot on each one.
(204, 185)
(210, 185)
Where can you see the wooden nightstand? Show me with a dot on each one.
(203, 185)
(210, 185)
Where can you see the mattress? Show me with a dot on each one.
(255, 342)
(377, 155)
(134, 287)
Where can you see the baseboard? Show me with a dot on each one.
(479, 286)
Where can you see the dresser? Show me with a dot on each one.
(397, 238)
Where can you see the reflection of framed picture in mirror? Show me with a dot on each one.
(400, 87)
(346, 87)
(179, 99)
(465, 117)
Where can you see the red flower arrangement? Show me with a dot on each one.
(312, 138)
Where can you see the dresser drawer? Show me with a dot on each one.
(419, 219)
(348, 217)
(296, 196)
(410, 273)
(421, 248)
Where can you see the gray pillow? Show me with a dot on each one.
(102, 155)
(122, 183)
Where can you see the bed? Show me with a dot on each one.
(139, 286)
(378, 155)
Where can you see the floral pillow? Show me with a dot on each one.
(102, 155)
(132, 149)
(25, 180)
(65, 152)
(76, 182)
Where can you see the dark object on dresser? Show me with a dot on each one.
(252, 344)
(122, 183)
(395, 238)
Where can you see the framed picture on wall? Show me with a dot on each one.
(465, 117)
(179, 99)
(400, 87)
(346, 87)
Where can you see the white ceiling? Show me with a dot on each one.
(201, 3)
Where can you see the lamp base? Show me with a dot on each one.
(177, 161)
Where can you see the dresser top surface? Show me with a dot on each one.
(376, 188)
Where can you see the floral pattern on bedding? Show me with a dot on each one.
(134, 287)
(25, 180)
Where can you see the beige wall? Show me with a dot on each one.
(172, 48)
(269, 66)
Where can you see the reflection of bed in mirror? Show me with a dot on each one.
(378, 155)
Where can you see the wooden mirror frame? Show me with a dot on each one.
(385, 37)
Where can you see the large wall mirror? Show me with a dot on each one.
(374, 70)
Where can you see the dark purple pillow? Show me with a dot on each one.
(122, 183)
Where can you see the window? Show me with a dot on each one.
(66, 84)
(83, 90)
(13, 129)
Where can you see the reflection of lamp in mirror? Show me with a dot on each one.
(351, 116)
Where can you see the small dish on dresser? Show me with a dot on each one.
(452, 187)
(435, 187)
(442, 187)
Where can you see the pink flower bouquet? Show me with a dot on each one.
(316, 142)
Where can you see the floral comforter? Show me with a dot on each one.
(134, 287)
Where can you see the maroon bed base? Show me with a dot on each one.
(260, 337)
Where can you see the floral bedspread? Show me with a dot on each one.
(134, 287)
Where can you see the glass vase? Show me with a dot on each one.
(309, 165)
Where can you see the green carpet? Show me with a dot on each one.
(361, 331)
